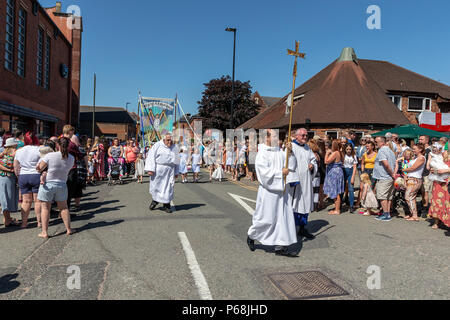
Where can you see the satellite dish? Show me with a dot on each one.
(288, 104)
(289, 100)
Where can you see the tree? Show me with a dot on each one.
(215, 106)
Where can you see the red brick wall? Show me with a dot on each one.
(411, 115)
(24, 91)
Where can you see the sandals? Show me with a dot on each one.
(334, 213)
(412, 219)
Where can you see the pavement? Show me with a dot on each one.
(124, 251)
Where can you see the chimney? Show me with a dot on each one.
(58, 7)
(348, 54)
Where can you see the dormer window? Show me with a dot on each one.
(419, 104)
(397, 100)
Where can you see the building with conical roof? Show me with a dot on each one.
(362, 95)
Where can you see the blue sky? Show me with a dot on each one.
(166, 47)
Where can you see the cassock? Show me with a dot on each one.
(273, 220)
(302, 194)
(164, 162)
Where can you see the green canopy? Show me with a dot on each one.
(411, 131)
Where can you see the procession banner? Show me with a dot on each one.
(156, 118)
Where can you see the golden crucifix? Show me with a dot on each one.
(297, 54)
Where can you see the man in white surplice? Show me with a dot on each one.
(162, 163)
(273, 220)
(302, 194)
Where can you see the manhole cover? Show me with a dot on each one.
(306, 285)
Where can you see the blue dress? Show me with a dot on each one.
(183, 163)
(334, 181)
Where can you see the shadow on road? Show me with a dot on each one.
(7, 284)
(89, 226)
(186, 207)
(315, 226)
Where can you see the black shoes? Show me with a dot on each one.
(251, 244)
(352, 210)
(153, 205)
(167, 208)
(304, 233)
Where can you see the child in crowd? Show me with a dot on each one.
(43, 151)
(436, 163)
(196, 160)
(183, 165)
(90, 178)
(139, 168)
(368, 199)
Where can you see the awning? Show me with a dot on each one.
(26, 112)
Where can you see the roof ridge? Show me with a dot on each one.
(418, 74)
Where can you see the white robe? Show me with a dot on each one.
(303, 199)
(164, 162)
(273, 220)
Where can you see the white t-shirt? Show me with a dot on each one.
(28, 158)
(58, 168)
(350, 161)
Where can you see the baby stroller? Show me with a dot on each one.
(399, 200)
(114, 174)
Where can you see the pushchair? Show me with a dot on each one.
(399, 201)
(114, 176)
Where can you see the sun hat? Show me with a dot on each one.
(11, 142)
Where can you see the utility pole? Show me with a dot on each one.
(93, 111)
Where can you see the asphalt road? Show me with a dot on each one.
(123, 251)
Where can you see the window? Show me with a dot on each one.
(47, 64)
(332, 134)
(22, 42)
(9, 43)
(397, 100)
(40, 57)
(419, 104)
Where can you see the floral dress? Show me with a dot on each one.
(334, 180)
(100, 157)
(440, 202)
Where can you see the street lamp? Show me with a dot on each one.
(128, 126)
(232, 85)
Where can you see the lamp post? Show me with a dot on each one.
(128, 126)
(93, 110)
(234, 65)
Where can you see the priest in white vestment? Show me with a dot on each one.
(162, 163)
(302, 194)
(273, 220)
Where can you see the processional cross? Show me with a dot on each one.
(297, 54)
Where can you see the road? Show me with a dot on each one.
(124, 251)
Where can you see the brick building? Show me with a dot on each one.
(263, 101)
(364, 95)
(110, 122)
(37, 71)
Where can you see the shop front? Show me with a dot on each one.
(16, 118)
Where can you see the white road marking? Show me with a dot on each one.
(199, 278)
(240, 199)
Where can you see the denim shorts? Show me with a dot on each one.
(53, 191)
(29, 183)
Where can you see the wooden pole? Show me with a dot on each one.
(297, 55)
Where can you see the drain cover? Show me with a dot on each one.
(306, 285)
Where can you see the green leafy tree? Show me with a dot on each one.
(215, 106)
